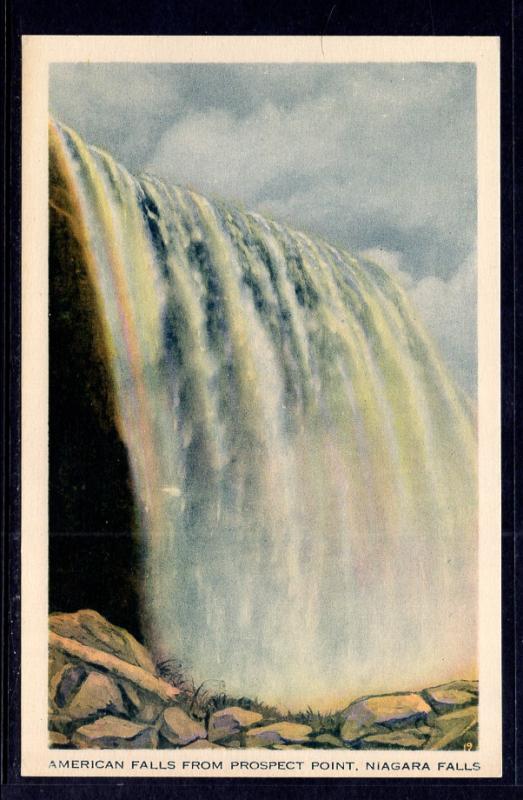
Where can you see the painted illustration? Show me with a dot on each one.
(263, 504)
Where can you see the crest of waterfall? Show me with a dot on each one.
(303, 465)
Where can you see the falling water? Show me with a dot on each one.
(303, 465)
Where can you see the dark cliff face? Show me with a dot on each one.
(94, 558)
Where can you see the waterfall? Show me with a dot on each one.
(303, 465)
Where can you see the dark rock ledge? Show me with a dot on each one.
(106, 692)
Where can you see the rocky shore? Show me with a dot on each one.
(105, 691)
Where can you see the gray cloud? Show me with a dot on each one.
(447, 309)
(123, 108)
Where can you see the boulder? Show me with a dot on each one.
(65, 682)
(409, 739)
(178, 727)
(149, 712)
(454, 730)
(451, 696)
(115, 732)
(328, 740)
(143, 706)
(230, 721)
(390, 710)
(98, 694)
(203, 744)
(426, 730)
(58, 739)
(56, 662)
(131, 695)
(60, 723)
(87, 639)
(278, 733)
(91, 629)
(289, 747)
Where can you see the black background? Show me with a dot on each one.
(397, 17)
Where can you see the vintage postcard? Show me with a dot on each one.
(261, 420)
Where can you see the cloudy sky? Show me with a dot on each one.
(378, 158)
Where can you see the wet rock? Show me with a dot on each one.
(56, 662)
(454, 730)
(97, 694)
(58, 739)
(60, 723)
(178, 727)
(390, 710)
(91, 629)
(397, 740)
(289, 747)
(131, 696)
(328, 740)
(65, 682)
(203, 744)
(149, 712)
(465, 686)
(142, 706)
(278, 733)
(451, 696)
(230, 721)
(115, 732)
(426, 730)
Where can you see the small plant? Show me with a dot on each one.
(210, 696)
(329, 722)
(172, 671)
(201, 705)
(224, 700)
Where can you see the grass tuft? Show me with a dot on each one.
(210, 696)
